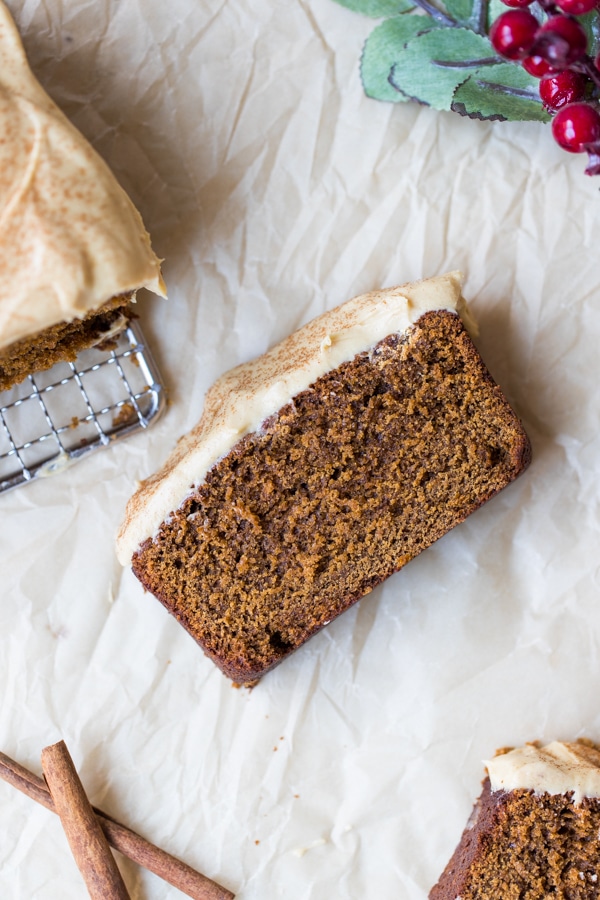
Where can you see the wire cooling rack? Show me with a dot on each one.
(54, 418)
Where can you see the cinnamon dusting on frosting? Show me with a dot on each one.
(557, 768)
(244, 397)
(70, 237)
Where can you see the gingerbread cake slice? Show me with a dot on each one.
(73, 248)
(535, 831)
(318, 470)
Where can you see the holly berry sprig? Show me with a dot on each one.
(556, 53)
(542, 65)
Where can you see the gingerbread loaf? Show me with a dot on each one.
(534, 833)
(73, 248)
(320, 469)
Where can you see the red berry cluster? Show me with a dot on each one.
(556, 53)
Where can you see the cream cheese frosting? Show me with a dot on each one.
(557, 768)
(240, 401)
(70, 237)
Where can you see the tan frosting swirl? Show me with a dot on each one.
(557, 768)
(71, 238)
(243, 398)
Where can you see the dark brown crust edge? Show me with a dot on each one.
(471, 844)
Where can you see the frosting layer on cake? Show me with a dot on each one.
(244, 397)
(557, 768)
(70, 237)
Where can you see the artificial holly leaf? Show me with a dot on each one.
(383, 48)
(377, 9)
(436, 62)
(461, 10)
(441, 56)
(591, 25)
(495, 8)
(505, 91)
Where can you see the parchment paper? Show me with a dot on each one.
(275, 190)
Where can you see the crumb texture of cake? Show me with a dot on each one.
(62, 342)
(73, 245)
(535, 830)
(330, 494)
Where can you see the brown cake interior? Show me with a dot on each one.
(345, 485)
(524, 846)
(59, 343)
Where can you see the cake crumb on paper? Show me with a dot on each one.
(300, 851)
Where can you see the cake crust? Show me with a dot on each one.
(342, 487)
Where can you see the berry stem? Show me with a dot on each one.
(587, 67)
(593, 167)
(436, 13)
(479, 16)
(550, 8)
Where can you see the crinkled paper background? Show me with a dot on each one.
(275, 190)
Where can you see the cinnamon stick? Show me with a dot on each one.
(84, 834)
(123, 839)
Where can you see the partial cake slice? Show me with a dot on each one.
(534, 832)
(73, 248)
(319, 469)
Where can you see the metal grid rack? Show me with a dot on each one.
(56, 417)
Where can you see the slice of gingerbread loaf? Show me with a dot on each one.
(535, 831)
(73, 248)
(318, 470)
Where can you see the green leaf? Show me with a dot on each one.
(435, 63)
(505, 91)
(383, 48)
(425, 56)
(459, 10)
(591, 25)
(377, 9)
(495, 9)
